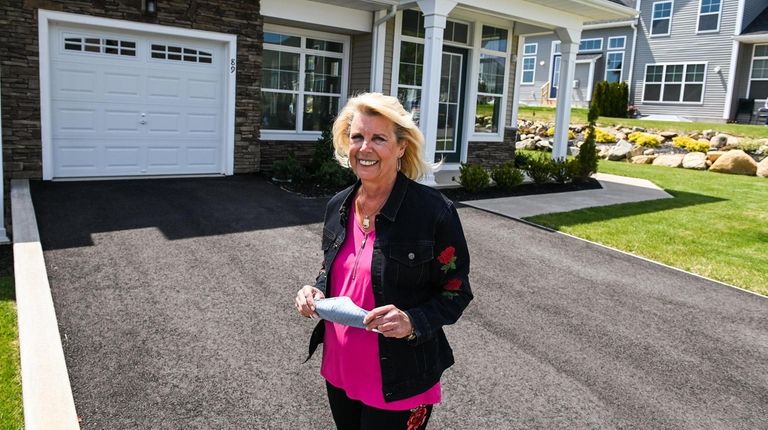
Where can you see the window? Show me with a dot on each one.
(674, 83)
(613, 66)
(661, 18)
(490, 83)
(758, 78)
(99, 45)
(411, 64)
(178, 53)
(591, 45)
(530, 48)
(619, 42)
(529, 70)
(301, 80)
(709, 16)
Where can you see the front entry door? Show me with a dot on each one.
(450, 113)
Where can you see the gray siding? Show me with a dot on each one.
(752, 9)
(388, 53)
(531, 94)
(684, 45)
(360, 63)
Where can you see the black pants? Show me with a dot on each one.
(354, 415)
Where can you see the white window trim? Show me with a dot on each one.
(671, 14)
(751, 67)
(621, 70)
(300, 134)
(535, 49)
(47, 18)
(522, 71)
(663, 83)
(550, 75)
(472, 94)
(623, 44)
(699, 15)
(599, 49)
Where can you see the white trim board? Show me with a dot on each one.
(48, 18)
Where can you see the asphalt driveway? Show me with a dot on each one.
(174, 300)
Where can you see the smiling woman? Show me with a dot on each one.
(387, 375)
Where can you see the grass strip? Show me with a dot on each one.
(716, 226)
(11, 414)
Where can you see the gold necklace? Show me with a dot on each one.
(366, 217)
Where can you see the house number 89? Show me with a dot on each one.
(232, 66)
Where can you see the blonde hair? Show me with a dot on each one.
(412, 163)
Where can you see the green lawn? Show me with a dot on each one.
(11, 416)
(579, 116)
(716, 226)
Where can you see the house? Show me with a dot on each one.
(157, 88)
(701, 59)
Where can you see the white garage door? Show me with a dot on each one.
(129, 103)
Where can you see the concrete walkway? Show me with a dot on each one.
(616, 190)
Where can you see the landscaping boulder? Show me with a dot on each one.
(526, 144)
(544, 144)
(762, 168)
(638, 128)
(669, 160)
(712, 156)
(643, 159)
(695, 160)
(668, 135)
(708, 134)
(637, 150)
(573, 151)
(718, 141)
(621, 136)
(620, 150)
(603, 150)
(736, 162)
(649, 151)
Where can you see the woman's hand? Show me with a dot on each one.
(389, 321)
(305, 300)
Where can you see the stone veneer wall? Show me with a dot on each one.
(19, 69)
(489, 154)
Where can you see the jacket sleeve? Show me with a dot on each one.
(451, 291)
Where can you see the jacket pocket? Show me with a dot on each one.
(410, 262)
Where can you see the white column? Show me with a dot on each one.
(518, 78)
(377, 56)
(569, 47)
(3, 235)
(435, 13)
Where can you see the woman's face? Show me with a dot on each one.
(374, 148)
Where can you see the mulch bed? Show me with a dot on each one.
(312, 190)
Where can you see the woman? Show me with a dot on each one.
(396, 248)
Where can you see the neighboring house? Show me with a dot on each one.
(701, 59)
(96, 89)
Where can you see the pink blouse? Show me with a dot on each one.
(351, 355)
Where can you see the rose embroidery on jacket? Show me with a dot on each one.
(448, 259)
(417, 418)
(451, 287)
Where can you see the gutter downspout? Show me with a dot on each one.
(3, 235)
(734, 60)
(631, 76)
(379, 29)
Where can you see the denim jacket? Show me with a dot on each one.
(421, 265)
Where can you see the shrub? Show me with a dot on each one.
(539, 169)
(690, 144)
(507, 176)
(611, 99)
(521, 159)
(551, 132)
(563, 171)
(644, 139)
(602, 136)
(473, 177)
(326, 171)
(750, 146)
(288, 169)
(585, 163)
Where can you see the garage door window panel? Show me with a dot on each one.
(97, 45)
(179, 53)
(301, 74)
